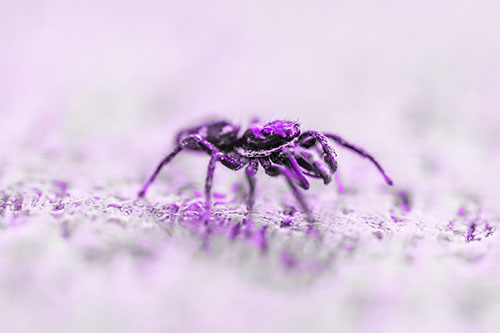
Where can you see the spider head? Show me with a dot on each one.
(261, 136)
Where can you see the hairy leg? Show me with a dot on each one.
(209, 181)
(309, 138)
(311, 164)
(204, 145)
(275, 170)
(164, 162)
(288, 159)
(361, 152)
(251, 171)
(314, 167)
(229, 162)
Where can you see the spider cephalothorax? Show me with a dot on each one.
(262, 138)
(278, 146)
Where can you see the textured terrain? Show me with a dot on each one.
(91, 95)
(81, 253)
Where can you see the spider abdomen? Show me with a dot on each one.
(220, 133)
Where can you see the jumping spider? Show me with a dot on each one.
(279, 146)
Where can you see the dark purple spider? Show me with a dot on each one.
(279, 146)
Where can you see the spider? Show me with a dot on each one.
(278, 146)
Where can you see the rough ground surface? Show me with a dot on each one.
(80, 253)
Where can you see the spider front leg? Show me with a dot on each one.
(311, 165)
(359, 151)
(275, 170)
(309, 138)
(192, 139)
(315, 168)
(287, 157)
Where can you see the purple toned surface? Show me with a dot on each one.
(91, 96)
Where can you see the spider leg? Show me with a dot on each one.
(205, 145)
(275, 170)
(287, 158)
(328, 151)
(311, 165)
(164, 162)
(209, 181)
(250, 172)
(227, 161)
(299, 176)
(359, 151)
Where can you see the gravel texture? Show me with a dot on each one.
(84, 254)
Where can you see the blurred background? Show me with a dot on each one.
(416, 83)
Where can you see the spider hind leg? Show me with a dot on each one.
(185, 144)
(165, 161)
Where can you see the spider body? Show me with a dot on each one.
(220, 133)
(265, 138)
(278, 146)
